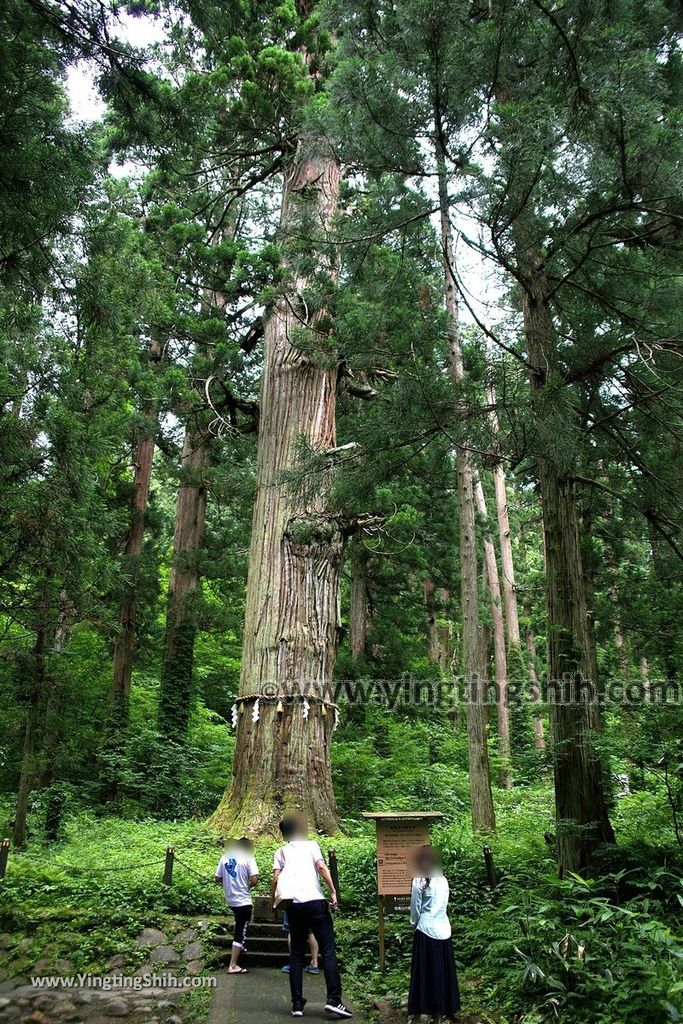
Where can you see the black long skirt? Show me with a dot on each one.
(433, 981)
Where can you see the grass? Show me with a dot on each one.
(86, 898)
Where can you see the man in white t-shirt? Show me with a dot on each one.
(301, 863)
(238, 872)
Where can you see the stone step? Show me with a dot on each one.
(266, 943)
(256, 928)
(256, 958)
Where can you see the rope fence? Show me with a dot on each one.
(168, 862)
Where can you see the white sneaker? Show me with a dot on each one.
(338, 1009)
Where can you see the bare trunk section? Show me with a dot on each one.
(619, 640)
(432, 622)
(507, 563)
(539, 732)
(581, 808)
(124, 648)
(29, 766)
(498, 631)
(176, 692)
(54, 688)
(439, 632)
(282, 757)
(358, 612)
(483, 815)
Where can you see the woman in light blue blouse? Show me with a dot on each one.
(433, 979)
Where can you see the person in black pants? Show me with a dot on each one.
(299, 866)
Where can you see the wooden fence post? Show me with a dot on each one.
(490, 867)
(334, 869)
(168, 866)
(4, 854)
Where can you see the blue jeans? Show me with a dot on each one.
(313, 917)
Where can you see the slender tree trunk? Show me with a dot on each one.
(432, 622)
(54, 689)
(124, 648)
(282, 757)
(581, 807)
(358, 613)
(483, 815)
(539, 732)
(444, 633)
(498, 631)
(509, 586)
(176, 692)
(29, 766)
(619, 641)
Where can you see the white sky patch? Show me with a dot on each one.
(86, 103)
(479, 278)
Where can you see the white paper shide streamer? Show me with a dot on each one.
(233, 715)
(256, 713)
(307, 708)
(336, 720)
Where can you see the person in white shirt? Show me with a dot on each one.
(433, 979)
(298, 867)
(238, 872)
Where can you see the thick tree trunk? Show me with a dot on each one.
(581, 808)
(498, 631)
(483, 815)
(176, 692)
(282, 759)
(124, 648)
(358, 611)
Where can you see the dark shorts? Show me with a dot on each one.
(242, 919)
(285, 923)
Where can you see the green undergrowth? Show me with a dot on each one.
(534, 950)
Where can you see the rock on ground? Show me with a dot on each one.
(151, 937)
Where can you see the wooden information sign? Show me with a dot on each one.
(399, 834)
(396, 838)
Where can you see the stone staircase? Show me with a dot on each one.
(266, 946)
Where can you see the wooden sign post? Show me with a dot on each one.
(399, 833)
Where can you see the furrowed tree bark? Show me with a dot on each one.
(483, 814)
(498, 631)
(580, 803)
(124, 648)
(282, 761)
(358, 611)
(176, 691)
